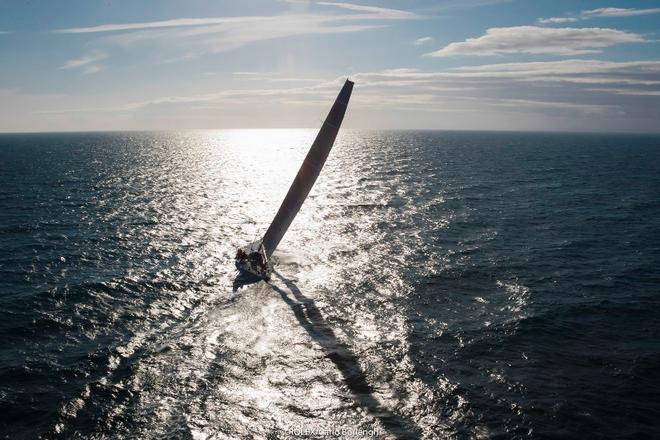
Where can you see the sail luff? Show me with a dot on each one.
(308, 172)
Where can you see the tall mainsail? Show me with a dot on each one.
(308, 172)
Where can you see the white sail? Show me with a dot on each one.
(309, 171)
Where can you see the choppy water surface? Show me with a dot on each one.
(434, 285)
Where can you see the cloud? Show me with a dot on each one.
(515, 86)
(87, 63)
(557, 20)
(629, 71)
(628, 92)
(179, 22)
(375, 11)
(192, 37)
(423, 40)
(527, 85)
(92, 68)
(558, 105)
(618, 12)
(447, 5)
(4, 32)
(566, 94)
(600, 13)
(199, 40)
(518, 87)
(497, 85)
(367, 12)
(539, 40)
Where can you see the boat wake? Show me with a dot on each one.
(311, 319)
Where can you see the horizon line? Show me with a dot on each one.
(477, 130)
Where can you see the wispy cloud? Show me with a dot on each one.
(179, 22)
(539, 40)
(518, 87)
(599, 13)
(186, 38)
(619, 12)
(87, 63)
(556, 105)
(516, 77)
(4, 32)
(628, 92)
(199, 40)
(448, 5)
(588, 88)
(364, 12)
(92, 68)
(580, 72)
(375, 11)
(423, 40)
(272, 77)
(557, 20)
(570, 67)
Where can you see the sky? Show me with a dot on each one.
(417, 64)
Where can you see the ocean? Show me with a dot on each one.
(434, 285)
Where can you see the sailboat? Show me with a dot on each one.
(254, 259)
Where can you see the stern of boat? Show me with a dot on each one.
(252, 261)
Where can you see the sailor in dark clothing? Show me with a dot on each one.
(256, 259)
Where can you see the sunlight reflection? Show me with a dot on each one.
(260, 164)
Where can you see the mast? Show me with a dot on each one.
(308, 172)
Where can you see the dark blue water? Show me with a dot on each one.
(435, 285)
